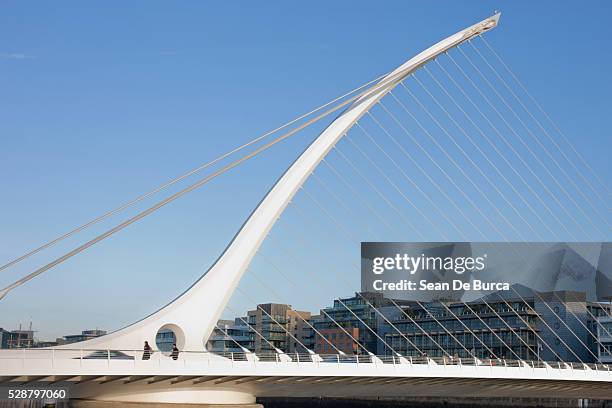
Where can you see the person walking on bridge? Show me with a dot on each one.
(175, 352)
(146, 354)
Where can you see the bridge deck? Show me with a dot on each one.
(304, 375)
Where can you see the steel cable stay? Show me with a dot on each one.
(470, 308)
(243, 292)
(380, 88)
(505, 238)
(523, 299)
(545, 132)
(467, 156)
(527, 324)
(445, 306)
(443, 192)
(485, 301)
(513, 131)
(542, 146)
(412, 183)
(474, 334)
(357, 98)
(312, 276)
(554, 124)
(395, 187)
(420, 328)
(293, 284)
(498, 151)
(381, 128)
(269, 289)
(307, 194)
(386, 154)
(535, 292)
(454, 162)
(446, 330)
(339, 201)
(583, 325)
(444, 172)
(373, 186)
(463, 131)
(498, 316)
(511, 308)
(170, 183)
(492, 330)
(423, 307)
(482, 153)
(337, 223)
(231, 338)
(357, 195)
(246, 323)
(305, 243)
(364, 348)
(537, 158)
(299, 211)
(402, 84)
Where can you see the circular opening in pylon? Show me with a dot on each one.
(167, 336)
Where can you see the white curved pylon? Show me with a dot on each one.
(193, 315)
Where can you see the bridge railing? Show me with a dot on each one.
(81, 357)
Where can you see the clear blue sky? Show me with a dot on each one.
(102, 101)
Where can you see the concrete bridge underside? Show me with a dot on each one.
(244, 389)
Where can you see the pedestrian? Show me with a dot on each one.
(175, 352)
(146, 354)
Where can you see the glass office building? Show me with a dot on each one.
(516, 324)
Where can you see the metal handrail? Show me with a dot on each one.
(56, 354)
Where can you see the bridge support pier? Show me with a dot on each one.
(120, 404)
(144, 395)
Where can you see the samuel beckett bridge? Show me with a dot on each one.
(504, 174)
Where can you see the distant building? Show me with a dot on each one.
(231, 336)
(85, 335)
(274, 321)
(342, 339)
(359, 323)
(301, 332)
(16, 338)
(604, 337)
(50, 343)
(165, 339)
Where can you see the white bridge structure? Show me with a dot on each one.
(111, 367)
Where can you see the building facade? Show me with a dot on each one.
(231, 336)
(85, 335)
(516, 324)
(359, 322)
(274, 322)
(16, 339)
(604, 337)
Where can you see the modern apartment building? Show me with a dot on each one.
(231, 336)
(520, 323)
(281, 327)
(359, 322)
(604, 337)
